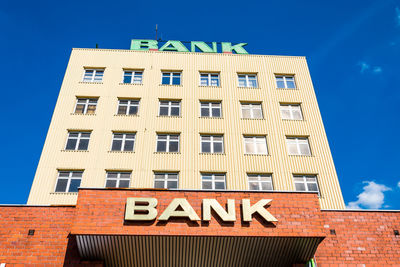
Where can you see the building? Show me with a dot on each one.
(208, 130)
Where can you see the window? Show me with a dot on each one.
(291, 112)
(260, 181)
(285, 82)
(212, 143)
(306, 183)
(170, 108)
(209, 79)
(78, 141)
(68, 181)
(123, 142)
(168, 143)
(171, 78)
(118, 179)
(166, 180)
(247, 80)
(133, 76)
(210, 109)
(128, 106)
(298, 146)
(255, 145)
(85, 105)
(93, 75)
(251, 110)
(213, 181)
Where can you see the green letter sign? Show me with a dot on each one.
(144, 44)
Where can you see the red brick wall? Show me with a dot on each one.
(361, 238)
(49, 242)
(103, 212)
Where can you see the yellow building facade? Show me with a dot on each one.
(212, 121)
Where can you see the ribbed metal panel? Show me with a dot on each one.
(196, 251)
(189, 162)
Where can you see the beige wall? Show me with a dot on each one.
(189, 162)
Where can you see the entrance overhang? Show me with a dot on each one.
(218, 251)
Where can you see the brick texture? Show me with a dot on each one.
(360, 237)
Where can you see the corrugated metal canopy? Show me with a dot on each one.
(197, 251)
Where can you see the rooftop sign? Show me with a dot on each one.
(195, 46)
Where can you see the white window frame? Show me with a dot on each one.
(118, 179)
(92, 80)
(291, 109)
(78, 140)
(304, 177)
(171, 76)
(210, 108)
(131, 103)
(166, 178)
(169, 104)
(259, 180)
(124, 139)
(251, 107)
(254, 141)
(209, 80)
(69, 178)
(86, 104)
(247, 80)
(168, 140)
(213, 180)
(133, 76)
(212, 141)
(298, 141)
(285, 81)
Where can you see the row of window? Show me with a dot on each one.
(209, 143)
(175, 78)
(69, 181)
(249, 110)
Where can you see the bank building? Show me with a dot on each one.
(190, 154)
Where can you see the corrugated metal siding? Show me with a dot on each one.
(189, 162)
(196, 251)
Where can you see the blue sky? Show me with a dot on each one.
(352, 48)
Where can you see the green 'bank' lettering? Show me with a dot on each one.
(144, 44)
(176, 46)
(238, 48)
(204, 47)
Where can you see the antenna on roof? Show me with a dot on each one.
(156, 30)
(97, 45)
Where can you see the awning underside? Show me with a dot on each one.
(196, 251)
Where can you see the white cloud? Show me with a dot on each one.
(371, 198)
(397, 18)
(365, 67)
(398, 184)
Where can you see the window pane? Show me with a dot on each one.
(253, 186)
(217, 147)
(116, 145)
(205, 147)
(205, 112)
(61, 185)
(79, 108)
(285, 114)
(128, 145)
(161, 146)
(91, 109)
(172, 184)
(305, 149)
(176, 80)
(112, 175)
(280, 84)
(292, 149)
(290, 84)
(300, 187)
(123, 183)
(266, 186)
(158, 184)
(175, 111)
(163, 111)
(207, 185)
(257, 113)
(312, 187)
(262, 148)
(127, 78)
(219, 185)
(75, 183)
(71, 144)
(173, 146)
(83, 144)
(133, 110)
(297, 114)
(111, 183)
(249, 148)
(216, 112)
(122, 109)
(246, 113)
(165, 80)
